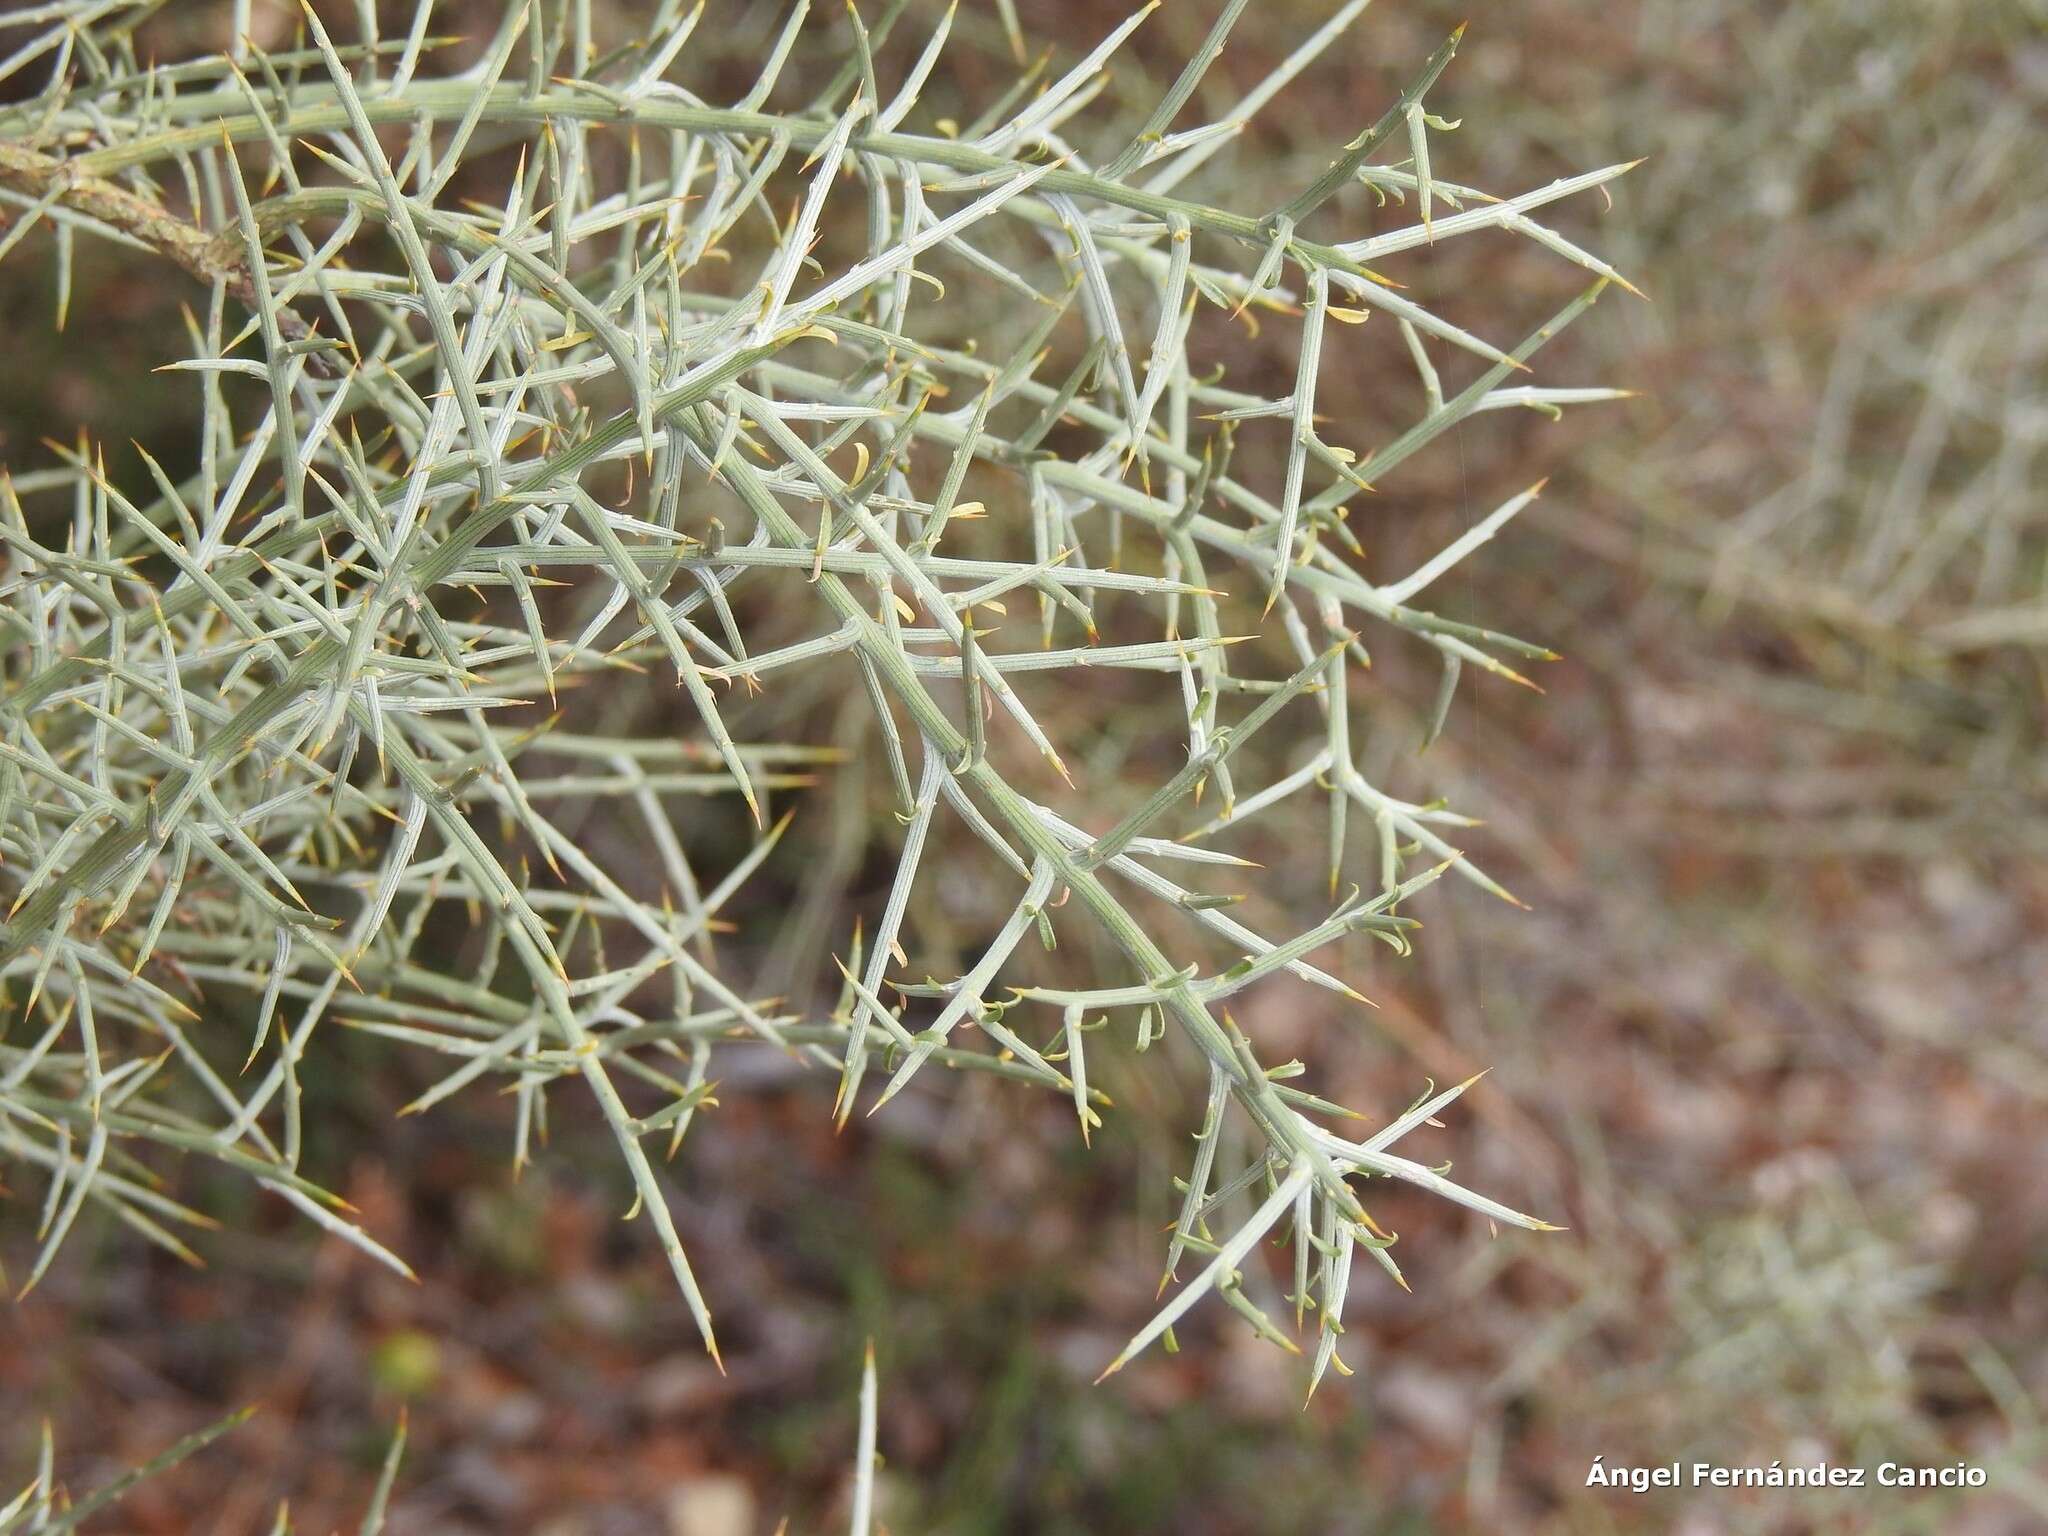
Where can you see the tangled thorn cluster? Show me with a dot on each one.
(273, 724)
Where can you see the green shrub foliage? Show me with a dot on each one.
(511, 381)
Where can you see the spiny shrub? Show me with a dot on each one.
(1891, 505)
(515, 382)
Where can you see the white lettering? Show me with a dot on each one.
(1705, 1474)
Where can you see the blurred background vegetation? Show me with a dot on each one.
(1773, 1039)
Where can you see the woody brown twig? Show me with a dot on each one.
(204, 257)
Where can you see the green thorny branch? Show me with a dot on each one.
(249, 750)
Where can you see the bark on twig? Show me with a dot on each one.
(205, 257)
